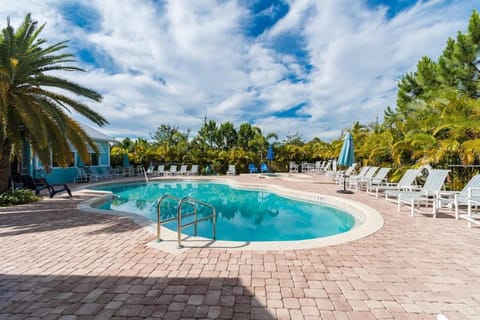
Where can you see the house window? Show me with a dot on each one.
(94, 159)
(70, 164)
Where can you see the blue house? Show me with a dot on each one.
(59, 175)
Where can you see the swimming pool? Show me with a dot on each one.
(242, 214)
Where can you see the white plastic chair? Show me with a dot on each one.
(357, 180)
(406, 183)
(173, 170)
(160, 170)
(183, 170)
(376, 179)
(193, 170)
(231, 170)
(456, 199)
(428, 193)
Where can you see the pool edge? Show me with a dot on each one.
(371, 219)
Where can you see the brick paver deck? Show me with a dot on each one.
(57, 262)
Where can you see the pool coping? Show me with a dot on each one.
(370, 219)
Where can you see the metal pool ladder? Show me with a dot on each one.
(192, 203)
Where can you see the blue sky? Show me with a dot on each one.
(306, 66)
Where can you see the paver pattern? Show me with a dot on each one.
(57, 262)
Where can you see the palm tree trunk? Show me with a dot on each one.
(5, 149)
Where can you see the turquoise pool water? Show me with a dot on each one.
(242, 214)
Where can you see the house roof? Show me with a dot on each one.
(94, 134)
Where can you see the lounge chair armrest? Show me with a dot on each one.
(431, 194)
(473, 192)
(447, 196)
(413, 188)
(448, 193)
(390, 184)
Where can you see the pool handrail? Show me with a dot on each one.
(180, 203)
(159, 215)
(193, 203)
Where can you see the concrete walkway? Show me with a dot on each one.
(57, 262)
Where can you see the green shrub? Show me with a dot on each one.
(13, 197)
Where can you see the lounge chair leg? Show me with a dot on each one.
(412, 204)
(68, 190)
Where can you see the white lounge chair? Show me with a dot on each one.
(160, 170)
(150, 170)
(362, 172)
(93, 174)
(105, 173)
(293, 167)
(193, 170)
(332, 173)
(344, 174)
(319, 166)
(377, 179)
(427, 194)
(325, 168)
(456, 199)
(355, 181)
(173, 170)
(231, 170)
(81, 176)
(405, 183)
(472, 202)
(116, 173)
(183, 170)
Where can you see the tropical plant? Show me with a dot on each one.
(34, 102)
(17, 196)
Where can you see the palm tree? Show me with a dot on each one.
(33, 104)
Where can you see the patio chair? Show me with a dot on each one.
(377, 179)
(326, 168)
(93, 174)
(264, 167)
(81, 176)
(173, 170)
(318, 166)
(456, 199)
(183, 170)
(367, 176)
(231, 170)
(252, 168)
(115, 172)
(150, 170)
(427, 194)
(405, 183)
(361, 174)
(193, 170)
(341, 175)
(105, 173)
(160, 170)
(42, 184)
(333, 171)
(292, 167)
(473, 201)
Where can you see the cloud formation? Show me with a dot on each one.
(306, 66)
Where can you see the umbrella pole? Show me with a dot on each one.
(345, 191)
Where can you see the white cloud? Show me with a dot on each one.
(180, 60)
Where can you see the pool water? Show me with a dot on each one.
(242, 214)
